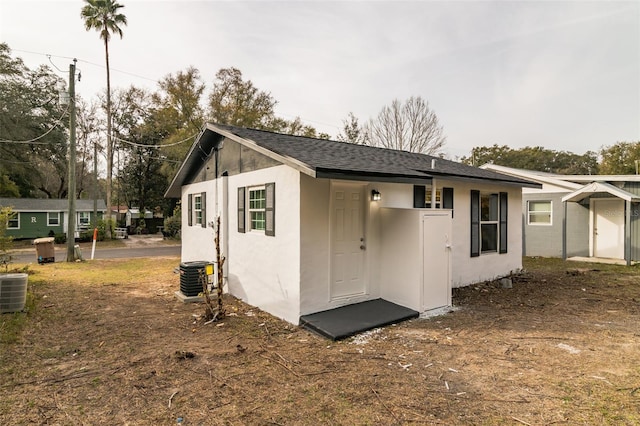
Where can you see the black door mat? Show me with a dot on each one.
(346, 321)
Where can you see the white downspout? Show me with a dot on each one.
(225, 224)
(433, 193)
(433, 185)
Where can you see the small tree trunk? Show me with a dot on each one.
(214, 312)
(220, 276)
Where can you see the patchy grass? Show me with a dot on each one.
(106, 342)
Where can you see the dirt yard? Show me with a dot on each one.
(108, 343)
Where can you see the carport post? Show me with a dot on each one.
(627, 232)
(564, 230)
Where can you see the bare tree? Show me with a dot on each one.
(411, 126)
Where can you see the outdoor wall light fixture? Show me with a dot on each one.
(375, 195)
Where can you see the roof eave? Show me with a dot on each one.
(371, 177)
(290, 161)
(600, 187)
(209, 130)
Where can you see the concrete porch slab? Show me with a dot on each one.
(600, 260)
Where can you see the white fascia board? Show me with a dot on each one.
(604, 178)
(595, 187)
(289, 161)
(540, 177)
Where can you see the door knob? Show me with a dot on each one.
(362, 247)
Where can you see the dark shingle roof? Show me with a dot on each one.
(332, 159)
(342, 157)
(48, 204)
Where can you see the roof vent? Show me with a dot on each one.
(433, 163)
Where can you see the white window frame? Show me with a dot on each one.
(81, 217)
(197, 209)
(51, 215)
(256, 210)
(491, 222)
(539, 212)
(15, 217)
(427, 197)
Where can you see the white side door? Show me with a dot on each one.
(436, 278)
(348, 243)
(608, 228)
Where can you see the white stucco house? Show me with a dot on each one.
(309, 225)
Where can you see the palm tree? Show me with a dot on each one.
(103, 16)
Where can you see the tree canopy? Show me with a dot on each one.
(622, 158)
(33, 130)
(534, 158)
(238, 102)
(352, 131)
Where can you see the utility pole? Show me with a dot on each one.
(71, 217)
(95, 183)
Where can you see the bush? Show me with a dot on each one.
(6, 241)
(60, 238)
(172, 225)
(102, 229)
(85, 236)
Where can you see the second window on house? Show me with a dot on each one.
(422, 197)
(256, 209)
(488, 222)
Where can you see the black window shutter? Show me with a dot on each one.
(203, 206)
(190, 209)
(503, 222)
(419, 194)
(475, 223)
(447, 199)
(241, 213)
(270, 209)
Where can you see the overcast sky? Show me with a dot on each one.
(563, 75)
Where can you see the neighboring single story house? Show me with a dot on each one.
(308, 225)
(592, 216)
(37, 217)
(129, 215)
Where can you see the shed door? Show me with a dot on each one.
(436, 283)
(608, 228)
(348, 243)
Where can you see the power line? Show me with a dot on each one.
(141, 145)
(120, 71)
(58, 122)
(49, 56)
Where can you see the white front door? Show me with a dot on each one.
(436, 263)
(348, 243)
(608, 228)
